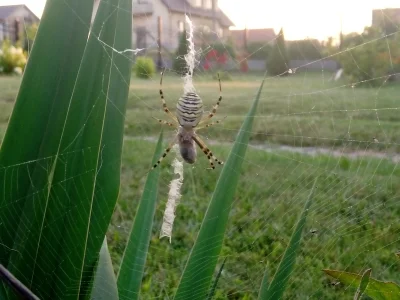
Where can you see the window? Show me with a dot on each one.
(181, 26)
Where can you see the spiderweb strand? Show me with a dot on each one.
(174, 196)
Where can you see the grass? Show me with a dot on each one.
(301, 110)
(353, 222)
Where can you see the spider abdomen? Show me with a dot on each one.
(189, 110)
(187, 146)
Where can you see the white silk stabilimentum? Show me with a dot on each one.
(190, 59)
(174, 196)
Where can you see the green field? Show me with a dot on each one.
(353, 222)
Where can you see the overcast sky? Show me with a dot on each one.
(299, 19)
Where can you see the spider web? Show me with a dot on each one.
(308, 125)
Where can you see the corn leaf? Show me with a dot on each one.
(105, 283)
(278, 284)
(203, 258)
(377, 290)
(134, 258)
(61, 153)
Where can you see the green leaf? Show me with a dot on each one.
(203, 258)
(134, 258)
(264, 285)
(278, 285)
(215, 283)
(61, 164)
(105, 283)
(378, 290)
(363, 284)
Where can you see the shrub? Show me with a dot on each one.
(179, 64)
(277, 62)
(373, 61)
(11, 58)
(144, 67)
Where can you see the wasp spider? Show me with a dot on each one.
(188, 119)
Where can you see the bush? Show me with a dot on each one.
(144, 67)
(373, 61)
(277, 62)
(179, 64)
(11, 58)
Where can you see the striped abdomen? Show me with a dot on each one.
(189, 110)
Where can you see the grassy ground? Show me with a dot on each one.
(301, 110)
(355, 211)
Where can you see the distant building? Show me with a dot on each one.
(387, 19)
(244, 37)
(13, 20)
(206, 16)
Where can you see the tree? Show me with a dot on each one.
(179, 64)
(277, 61)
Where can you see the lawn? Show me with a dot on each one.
(353, 222)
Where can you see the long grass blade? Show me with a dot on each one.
(363, 284)
(278, 284)
(34, 131)
(202, 261)
(105, 283)
(134, 258)
(215, 283)
(65, 218)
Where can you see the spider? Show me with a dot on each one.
(189, 115)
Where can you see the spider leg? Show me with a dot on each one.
(215, 107)
(164, 122)
(167, 150)
(207, 152)
(210, 124)
(166, 110)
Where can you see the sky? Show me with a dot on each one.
(300, 19)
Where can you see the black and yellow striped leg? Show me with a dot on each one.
(164, 122)
(207, 152)
(165, 108)
(167, 150)
(215, 107)
(210, 124)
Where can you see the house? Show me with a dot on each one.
(387, 19)
(13, 20)
(206, 16)
(244, 37)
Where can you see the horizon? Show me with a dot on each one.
(298, 23)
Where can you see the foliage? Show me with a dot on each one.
(259, 50)
(226, 48)
(277, 61)
(202, 260)
(133, 261)
(67, 120)
(30, 34)
(369, 61)
(377, 290)
(179, 63)
(11, 58)
(144, 67)
(305, 49)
